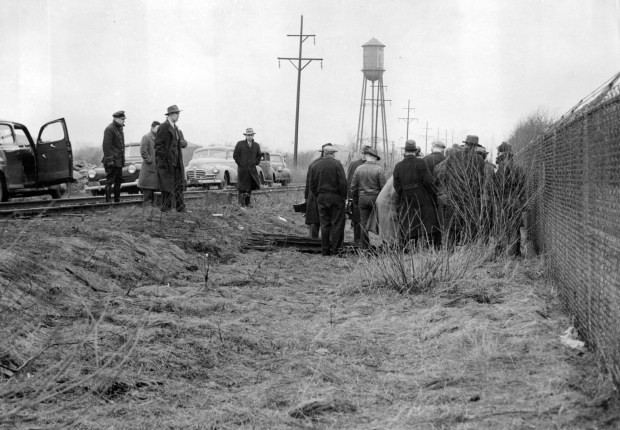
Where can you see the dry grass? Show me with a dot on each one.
(275, 340)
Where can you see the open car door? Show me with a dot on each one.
(54, 154)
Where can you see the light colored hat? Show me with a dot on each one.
(371, 151)
(249, 131)
(481, 150)
(438, 144)
(329, 148)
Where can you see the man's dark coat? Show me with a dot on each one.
(168, 156)
(433, 159)
(113, 145)
(312, 209)
(247, 158)
(417, 212)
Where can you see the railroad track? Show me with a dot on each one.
(31, 208)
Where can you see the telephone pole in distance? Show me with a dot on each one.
(408, 119)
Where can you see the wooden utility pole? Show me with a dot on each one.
(408, 119)
(299, 67)
(426, 142)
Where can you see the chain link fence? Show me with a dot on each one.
(575, 216)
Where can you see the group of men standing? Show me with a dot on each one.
(422, 211)
(162, 168)
(162, 162)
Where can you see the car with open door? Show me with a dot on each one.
(29, 167)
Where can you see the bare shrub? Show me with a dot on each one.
(90, 154)
(530, 127)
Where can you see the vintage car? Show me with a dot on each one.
(281, 173)
(212, 166)
(131, 171)
(28, 168)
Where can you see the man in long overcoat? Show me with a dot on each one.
(147, 181)
(312, 208)
(413, 184)
(114, 155)
(169, 161)
(329, 184)
(247, 156)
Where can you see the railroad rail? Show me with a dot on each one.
(29, 208)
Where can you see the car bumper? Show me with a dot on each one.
(100, 187)
(200, 182)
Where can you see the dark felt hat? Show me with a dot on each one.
(410, 146)
(471, 140)
(119, 114)
(154, 123)
(173, 109)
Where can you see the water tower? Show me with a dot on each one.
(373, 73)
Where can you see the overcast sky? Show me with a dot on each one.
(468, 67)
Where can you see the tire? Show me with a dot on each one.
(284, 182)
(4, 194)
(57, 191)
(94, 193)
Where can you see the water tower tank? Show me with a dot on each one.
(373, 59)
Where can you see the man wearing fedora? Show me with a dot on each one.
(114, 155)
(312, 209)
(329, 184)
(247, 157)
(355, 210)
(413, 184)
(169, 161)
(368, 180)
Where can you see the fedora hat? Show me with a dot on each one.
(328, 147)
(410, 146)
(371, 151)
(249, 131)
(472, 140)
(173, 109)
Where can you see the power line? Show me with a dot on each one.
(302, 38)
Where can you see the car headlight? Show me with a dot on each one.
(92, 174)
(215, 170)
(279, 168)
(132, 169)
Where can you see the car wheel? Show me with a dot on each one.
(4, 194)
(284, 182)
(94, 193)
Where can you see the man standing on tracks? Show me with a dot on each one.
(247, 156)
(147, 181)
(312, 208)
(114, 155)
(413, 183)
(355, 210)
(367, 182)
(169, 161)
(329, 184)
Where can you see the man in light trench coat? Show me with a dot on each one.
(147, 181)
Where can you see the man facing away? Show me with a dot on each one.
(147, 181)
(169, 161)
(114, 155)
(368, 180)
(329, 184)
(312, 209)
(355, 210)
(247, 157)
(413, 183)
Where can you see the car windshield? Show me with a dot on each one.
(132, 151)
(210, 153)
(276, 159)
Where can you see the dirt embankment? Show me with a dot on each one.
(139, 328)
